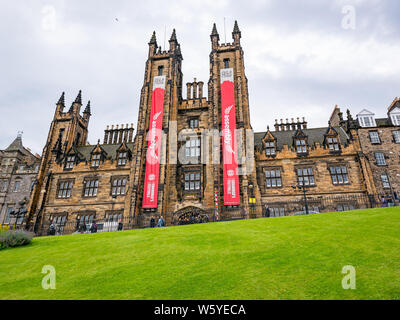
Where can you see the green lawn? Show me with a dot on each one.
(282, 258)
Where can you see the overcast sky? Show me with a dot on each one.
(301, 57)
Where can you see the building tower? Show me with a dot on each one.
(162, 81)
(67, 129)
(227, 63)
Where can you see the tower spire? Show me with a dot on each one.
(87, 109)
(214, 37)
(236, 27)
(173, 36)
(153, 39)
(61, 101)
(79, 98)
(214, 31)
(236, 34)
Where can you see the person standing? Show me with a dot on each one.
(152, 222)
(266, 211)
(120, 225)
(161, 222)
(93, 228)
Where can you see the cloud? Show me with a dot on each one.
(299, 60)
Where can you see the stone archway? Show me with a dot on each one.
(190, 215)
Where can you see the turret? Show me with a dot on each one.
(173, 43)
(236, 34)
(214, 37)
(77, 104)
(153, 44)
(61, 103)
(87, 113)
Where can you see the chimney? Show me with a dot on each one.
(201, 84)
(189, 90)
(194, 84)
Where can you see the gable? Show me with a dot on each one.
(395, 110)
(365, 112)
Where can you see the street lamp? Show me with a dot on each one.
(303, 188)
(252, 199)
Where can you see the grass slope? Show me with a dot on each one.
(281, 258)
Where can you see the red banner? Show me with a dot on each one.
(150, 195)
(230, 165)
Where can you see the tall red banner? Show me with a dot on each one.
(230, 165)
(150, 195)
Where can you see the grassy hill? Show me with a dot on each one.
(281, 258)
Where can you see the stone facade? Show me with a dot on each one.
(380, 143)
(334, 160)
(19, 167)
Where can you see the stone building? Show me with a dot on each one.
(380, 143)
(19, 167)
(116, 180)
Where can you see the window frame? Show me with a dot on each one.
(335, 175)
(396, 133)
(275, 181)
(119, 185)
(95, 160)
(333, 144)
(69, 164)
(385, 184)
(270, 148)
(302, 144)
(192, 178)
(371, 138)
(377, 159)
(65, 186)
(308, 175)
(122, 161)
(17, 185)
(196, 147)
(93, 188)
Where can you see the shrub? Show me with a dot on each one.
(14, 238)
(3, 228)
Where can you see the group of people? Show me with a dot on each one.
(160, 223)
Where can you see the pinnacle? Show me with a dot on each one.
(87, 109)
(236, 28)
(61, 101)
(153, 39)
(79, 98)
(173, 36)
(214, 30)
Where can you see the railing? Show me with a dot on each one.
(270, 209)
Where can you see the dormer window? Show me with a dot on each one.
(301, 146)
(122, 158)
(366, 119)
(96, 160)
(395, 115)
(270, 148)
(69, 164)
(333, 144)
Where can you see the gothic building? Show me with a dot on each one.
(18, 170)
(193, 155)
